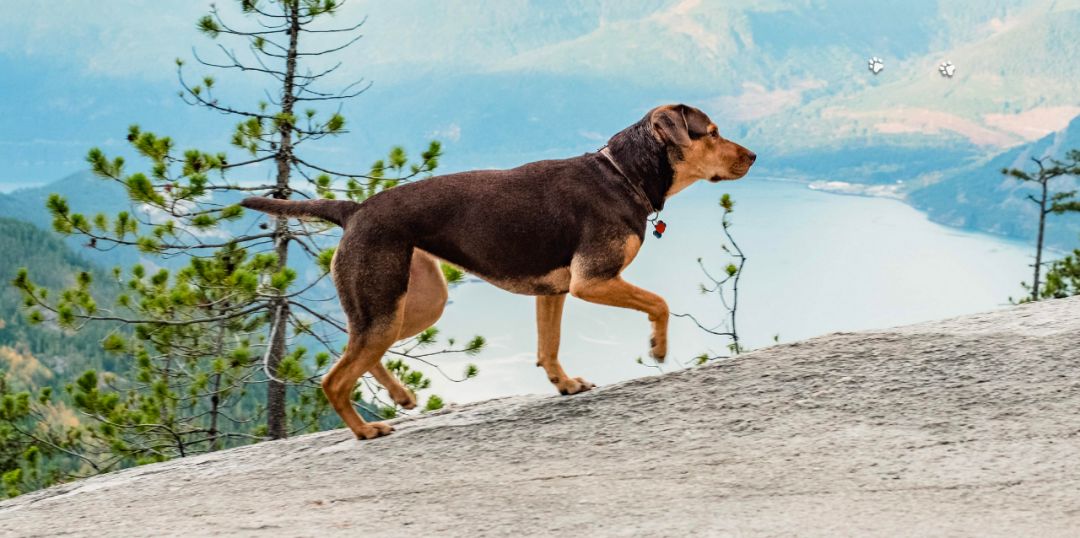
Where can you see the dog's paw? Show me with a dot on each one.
(371, 430)
(406, 400)
(573, 385)
(658, 348)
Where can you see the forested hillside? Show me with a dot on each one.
(53, 264)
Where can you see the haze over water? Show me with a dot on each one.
(817, 263)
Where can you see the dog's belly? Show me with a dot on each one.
(552, 283)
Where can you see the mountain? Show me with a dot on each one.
(505, 82)
(962, 427)
(86, 194)
(981, 198)
(787, 77)
(1017, 79)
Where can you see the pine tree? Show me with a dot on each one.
(1049, 203)
(239, 315)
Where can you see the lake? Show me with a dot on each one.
(817, 263)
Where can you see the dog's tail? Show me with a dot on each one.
(336, 211)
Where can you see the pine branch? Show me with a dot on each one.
(234, 65)
(340, 96)
(337, 30)
(199, 100)
(333, 49)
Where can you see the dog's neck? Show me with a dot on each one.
(644, 161)
(635, 187)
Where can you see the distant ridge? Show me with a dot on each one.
(982, 198)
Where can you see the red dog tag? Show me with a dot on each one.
(658, 229)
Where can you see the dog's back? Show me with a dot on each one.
(504, 224)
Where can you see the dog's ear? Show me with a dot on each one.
(669, 123)
(697, 122)
(679, 124)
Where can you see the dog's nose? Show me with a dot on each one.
(751, 156)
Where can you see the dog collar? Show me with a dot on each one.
(659, 226)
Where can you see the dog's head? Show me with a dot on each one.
(695, 147)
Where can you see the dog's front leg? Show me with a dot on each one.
(618, 292)
(548, 327)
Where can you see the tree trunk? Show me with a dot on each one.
(276, 418)
(215, 397)
(1039, 240)
(276, 427)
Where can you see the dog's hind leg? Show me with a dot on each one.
(549, 310)
(424, 304)
(363, 352)
(372, 288)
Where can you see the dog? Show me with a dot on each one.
(548, 229)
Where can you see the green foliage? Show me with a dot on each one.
(471, 371)
(32, 451)
(335, 124)
(326, 257)
(208, 26)
(434, 403)
(1063, 277)
(452, 274)
(475, 345)
(727, 203)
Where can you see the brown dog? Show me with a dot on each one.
(546, 229)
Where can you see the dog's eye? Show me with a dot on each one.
(714, 134)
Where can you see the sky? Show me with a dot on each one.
(77, 73)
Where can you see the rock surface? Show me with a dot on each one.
(961, 427)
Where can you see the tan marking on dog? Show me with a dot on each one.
(421, 307)
(708, 157)
(631, 247)
(398, 392)
(582, 266)
(426, 296)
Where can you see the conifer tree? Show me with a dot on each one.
(230, 307)
(1048, 202)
